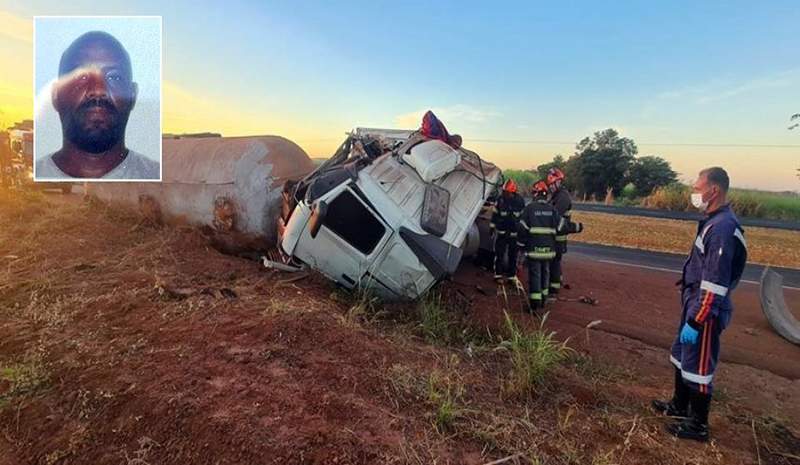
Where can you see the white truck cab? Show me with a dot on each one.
(392, 211)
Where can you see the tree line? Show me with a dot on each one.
(604, 162)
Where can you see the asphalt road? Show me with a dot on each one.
(638, 211)
(667, 262)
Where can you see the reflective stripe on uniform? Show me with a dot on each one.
(555, 284)
(699, 244)
(503, 213)
(715, 288)
(513, 234)
(536, 296)
(561, 238)
(568, 213)
(537, 230)
(520, 245)
(524, 224)
(695, 378)
(517, 214)
(738, 234)
(540, 255)
(545, 292)
(705, 307)
(502, 233)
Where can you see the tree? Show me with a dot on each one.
(601, 162)
(557, 162)
(650, 172)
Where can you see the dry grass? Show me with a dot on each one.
(459, 394)
(25, 378)
(765, 246)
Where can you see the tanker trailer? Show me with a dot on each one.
(231, 185)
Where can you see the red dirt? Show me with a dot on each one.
(644, 305)
(148, 360)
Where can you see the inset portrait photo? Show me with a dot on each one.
(97, 108)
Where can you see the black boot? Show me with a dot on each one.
(679, 405)
(534, 306)
(696, 426)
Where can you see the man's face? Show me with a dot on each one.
(95, 99)
(704, 188)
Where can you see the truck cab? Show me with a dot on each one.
(392, 212)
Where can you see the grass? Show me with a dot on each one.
(777, 441)
(26, 377)
(764, 246)
(445, 391)
(524, 180)
(442, 390)
(533, 357)
(277, 306)
(361, 306)
(436, 328)
(745, 202)
(22, 205)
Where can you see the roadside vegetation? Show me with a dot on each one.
(607, 168)
(745, 202)
(764, 246)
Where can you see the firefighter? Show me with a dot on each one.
(710, 275)
(505, 221)
(563, 203)
(537, 242)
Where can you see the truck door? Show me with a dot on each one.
(350, 238)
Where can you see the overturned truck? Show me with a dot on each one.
(392, 212)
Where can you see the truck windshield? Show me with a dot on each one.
(350, 220)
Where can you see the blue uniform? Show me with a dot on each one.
(710, 274)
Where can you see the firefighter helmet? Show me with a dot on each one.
(510, 186)
(540, 188)
(554, 175)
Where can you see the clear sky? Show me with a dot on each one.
(520, 81)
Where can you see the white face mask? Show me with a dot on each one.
(697, 201)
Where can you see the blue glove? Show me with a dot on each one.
(688, 335)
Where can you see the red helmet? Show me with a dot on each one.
(510, 186)
(554, 175)
(540, 188)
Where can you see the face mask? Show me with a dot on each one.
(697, 201)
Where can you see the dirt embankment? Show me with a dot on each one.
(121, 342)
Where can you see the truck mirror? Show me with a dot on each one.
(318, 213)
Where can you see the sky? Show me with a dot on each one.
(697, 83)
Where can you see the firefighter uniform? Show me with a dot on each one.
(710, 274)
(537, 239)
(505, 221)
(563, 205)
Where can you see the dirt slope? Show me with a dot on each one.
(126, 343)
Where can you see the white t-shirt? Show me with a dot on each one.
(135, 166)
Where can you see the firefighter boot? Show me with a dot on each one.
(696, 426)
(679, 405)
